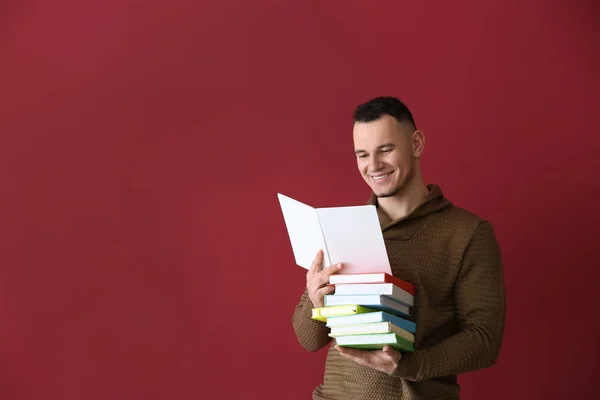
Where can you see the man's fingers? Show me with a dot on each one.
(350, 352)
(323, 277)
(317, 262)
(381, 360)
(332, 269)
(325, 290)
(320, 279)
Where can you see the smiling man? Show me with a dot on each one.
(449, 254)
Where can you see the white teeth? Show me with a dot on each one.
(380, 177)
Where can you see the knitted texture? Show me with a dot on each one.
(453, 259)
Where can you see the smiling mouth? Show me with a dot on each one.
(379, 178)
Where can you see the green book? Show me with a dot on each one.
(375, 341)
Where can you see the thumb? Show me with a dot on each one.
(387, 350)
(392, 353)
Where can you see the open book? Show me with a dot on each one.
(348, 235)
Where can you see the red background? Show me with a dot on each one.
(142, 144)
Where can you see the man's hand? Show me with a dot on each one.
(317, 280)
(385, 360)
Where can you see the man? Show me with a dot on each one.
(450, 255)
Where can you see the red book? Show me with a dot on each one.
(371, 277)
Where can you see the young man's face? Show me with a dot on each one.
(384, 154)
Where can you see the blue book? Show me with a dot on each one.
(372, 317)
(374, 301)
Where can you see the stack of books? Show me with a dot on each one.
(369, 311)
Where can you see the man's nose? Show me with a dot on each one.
(375, 164)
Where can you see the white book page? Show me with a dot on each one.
(304, 231)
(353, 237)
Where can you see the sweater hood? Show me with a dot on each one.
(434, 202)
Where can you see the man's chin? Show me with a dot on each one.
(388, 193)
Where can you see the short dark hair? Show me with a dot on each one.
(375, 108)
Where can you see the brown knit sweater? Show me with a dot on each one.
(453, 259)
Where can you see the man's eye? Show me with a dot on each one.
(362, 156)
(386, 150)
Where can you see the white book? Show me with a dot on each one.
(348, 235)
(371, 318)
(379, 327)
(389, 289)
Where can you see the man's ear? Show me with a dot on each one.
(418, 143)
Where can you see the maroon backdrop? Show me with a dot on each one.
(142, 144)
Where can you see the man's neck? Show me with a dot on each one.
(404, 202)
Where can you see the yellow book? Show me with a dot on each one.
(321, 313)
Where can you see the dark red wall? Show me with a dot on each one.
(142, 144)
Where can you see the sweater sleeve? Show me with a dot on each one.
(480, 314)
(312, 334)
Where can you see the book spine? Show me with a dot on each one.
(400, 322)
(410, 288)
(395, 305)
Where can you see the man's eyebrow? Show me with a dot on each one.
(378, 147)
